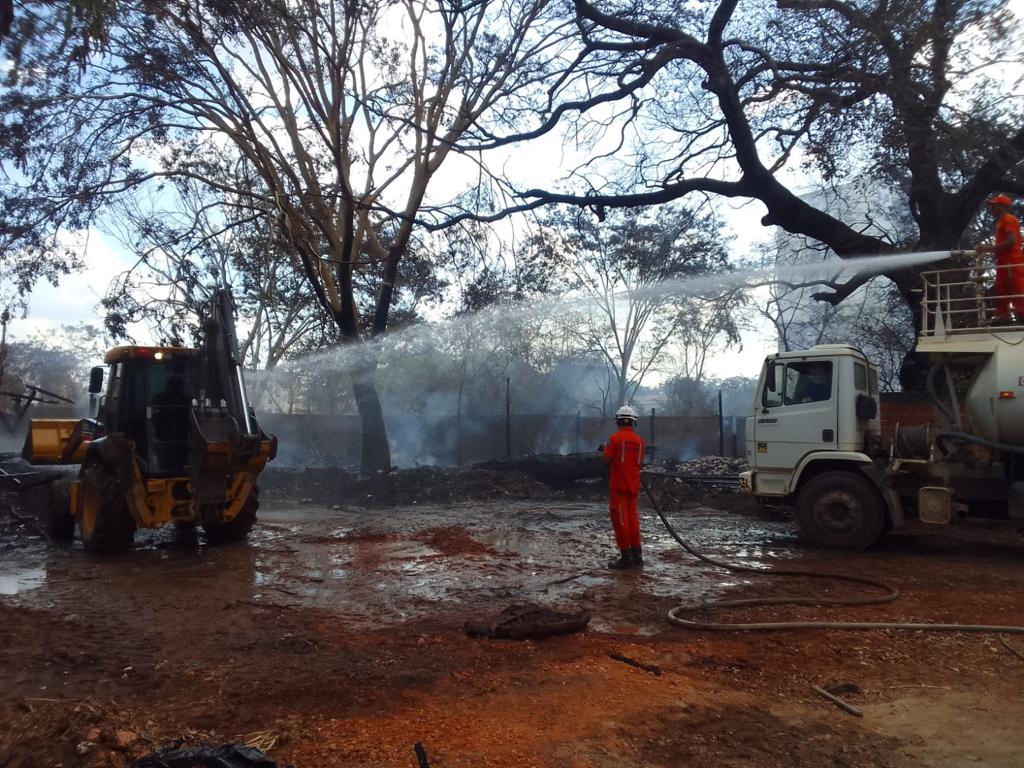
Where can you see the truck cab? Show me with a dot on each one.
(813, 434)
(815, 414)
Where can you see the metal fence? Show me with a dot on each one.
(309, 440)
(319, 440)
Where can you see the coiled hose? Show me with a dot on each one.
(889, 595)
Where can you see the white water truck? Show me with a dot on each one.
(814, 436)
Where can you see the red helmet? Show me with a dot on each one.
(999, 200)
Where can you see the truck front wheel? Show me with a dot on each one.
(840, 510)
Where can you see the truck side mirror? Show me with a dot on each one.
(770, 381)
(96, 380)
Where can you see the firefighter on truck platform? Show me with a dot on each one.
(1009, 259)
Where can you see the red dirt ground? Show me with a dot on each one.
(334, 638)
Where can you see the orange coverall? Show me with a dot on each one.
(624, 453)
(1010, 279)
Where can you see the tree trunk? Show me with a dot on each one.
(620, 395)
(458, 424)
(376, 453)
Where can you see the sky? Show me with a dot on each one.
(76, 298)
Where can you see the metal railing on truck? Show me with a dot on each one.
(964, 300)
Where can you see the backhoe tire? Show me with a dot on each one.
(238, 528)
(104, 521)
(840, 510)
(60, 521)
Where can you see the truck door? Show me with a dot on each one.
(796, 413)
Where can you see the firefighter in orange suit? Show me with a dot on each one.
(1009, 260)
(624, 454)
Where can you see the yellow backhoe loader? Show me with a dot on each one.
(173, 439)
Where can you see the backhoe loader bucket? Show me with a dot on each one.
(56, 441)
(215, 441)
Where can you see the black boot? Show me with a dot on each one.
(636, 557)
(625, 561)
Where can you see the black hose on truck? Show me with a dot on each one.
(952, 413)
(942, 437)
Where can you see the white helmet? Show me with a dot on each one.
(626, 412)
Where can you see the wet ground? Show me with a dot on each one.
(335, 638)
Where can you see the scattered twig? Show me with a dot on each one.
(421, 755)
(849, 708)
(1010, 648)
(259, 604)
(568, 579)
(264, 741)
(919, 685)
(654, 669)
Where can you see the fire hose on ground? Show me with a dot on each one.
(890, 594)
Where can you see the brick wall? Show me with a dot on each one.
(907, 409)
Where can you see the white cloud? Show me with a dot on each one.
(76, 298)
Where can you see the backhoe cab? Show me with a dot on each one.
(173, 439)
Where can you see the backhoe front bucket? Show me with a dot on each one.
(56, 441)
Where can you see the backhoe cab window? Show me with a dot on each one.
(155, 383)
(797, 383)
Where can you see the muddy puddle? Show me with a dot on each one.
(390, 566)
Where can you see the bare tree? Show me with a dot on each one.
(706, 326)
(339, 114)
(186, 243)
(873, 317)
(799, 322)
(630, 305)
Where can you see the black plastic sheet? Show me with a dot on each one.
(204, 756)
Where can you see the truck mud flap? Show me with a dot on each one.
(893, 506)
